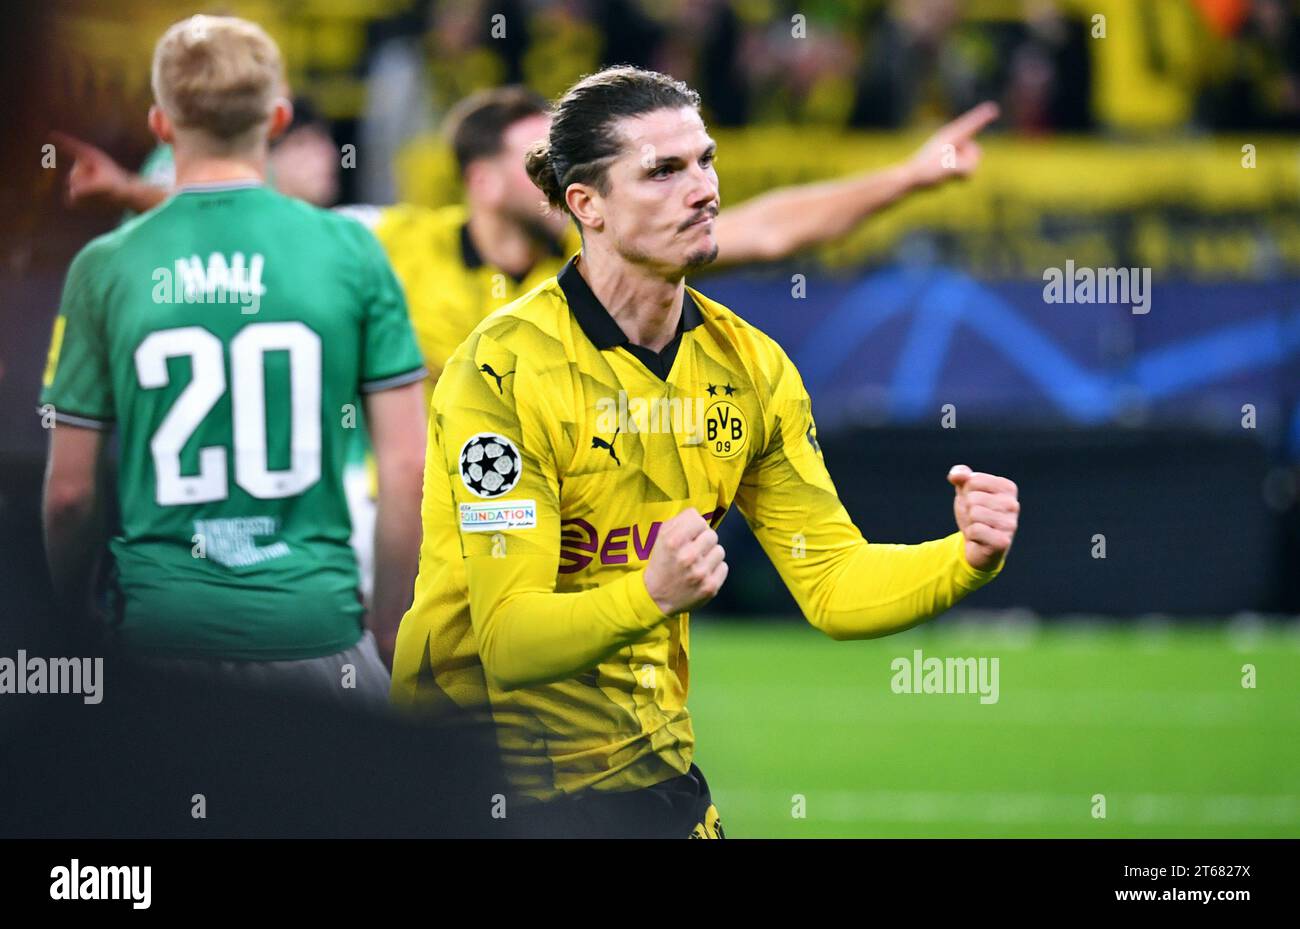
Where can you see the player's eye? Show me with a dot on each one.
(661, 171)
(708, 160)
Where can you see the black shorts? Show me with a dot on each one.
(678, 808)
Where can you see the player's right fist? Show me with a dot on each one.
(687, 565)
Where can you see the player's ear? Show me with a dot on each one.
(160, 125)
(281, 117)
(586, 205)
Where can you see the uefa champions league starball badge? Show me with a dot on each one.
(490, 465)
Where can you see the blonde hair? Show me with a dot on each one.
(219, 75)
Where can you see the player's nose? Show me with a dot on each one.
(703, 192)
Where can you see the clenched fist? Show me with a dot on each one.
(987, 511)
(686, 568)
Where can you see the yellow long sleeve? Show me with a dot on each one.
(529, 634)
(846, 586)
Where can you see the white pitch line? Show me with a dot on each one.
(1018, 707)
(1019, 808)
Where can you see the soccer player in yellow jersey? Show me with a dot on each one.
(459, 263)
(585, 442)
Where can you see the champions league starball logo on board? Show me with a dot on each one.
(490, 464)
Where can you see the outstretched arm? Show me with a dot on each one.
(96, 179)
(779, 223)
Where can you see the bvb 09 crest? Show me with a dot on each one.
(726, 433)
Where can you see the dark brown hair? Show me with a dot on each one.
(475, 127)
(582, 136)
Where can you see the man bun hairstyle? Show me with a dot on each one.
(582, 140)
(538, 164)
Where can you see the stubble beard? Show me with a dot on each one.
(694, 261)
(697, 260)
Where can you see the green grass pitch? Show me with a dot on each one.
(1153, 716)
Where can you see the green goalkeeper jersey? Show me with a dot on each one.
(227, 335)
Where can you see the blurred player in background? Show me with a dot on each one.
(459, 263)
(564, 544)
(228, 336)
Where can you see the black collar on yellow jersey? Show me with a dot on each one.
(472, 259)
(605, 333)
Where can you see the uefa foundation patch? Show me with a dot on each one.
(494, 517)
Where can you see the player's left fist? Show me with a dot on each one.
(987, 510)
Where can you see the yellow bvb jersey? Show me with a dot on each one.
(449, 288)
(556, 451)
